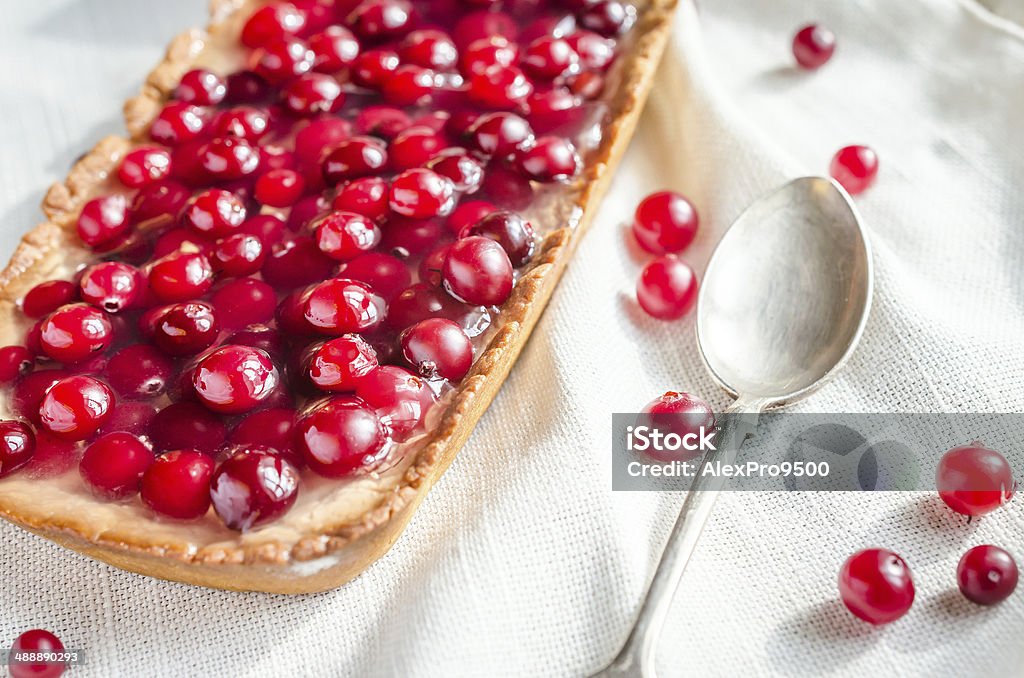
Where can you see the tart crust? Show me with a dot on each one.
(331, 550)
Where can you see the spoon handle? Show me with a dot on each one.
(637, 656)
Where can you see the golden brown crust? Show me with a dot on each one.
(347, 547)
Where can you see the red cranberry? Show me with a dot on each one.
(438, 348)
(143, 166)
(367, 196)
(181, 276)
(306, 210)
(374, 67)
(235, 379)
(179, 239)
(414, 146)
(679, 413)
(113, 465)
(386, 122)
(243, 302)
(110, 285)
(245, 87)
(418, 302)
(400, 398)
(340, 363)
(139, 371)
(75, 407)
(340, 436)
(876, 586)
(588, 85)
(381, 18)
(550, 159)
(555, 109)
(187, 425)
(609, 18)
(268, 228)
(185, 329)
(243, 122)
(987, 575)
(272, 23)
(130, 417)
(177, 123)
(17, 446)
(75, 332)
(484, 24)
(667, 288)
(428, 48)
(454, 164)
(14, 362)
(974, 480)
(385, 274)
(478, 271)
(353, 158)
(103, 220)
(280, 188)
(313, 93)
(333, 49)
(177, 484)
(499, 87)
(411, 237)
(507, 187)
(485, 52)
(813, 46)
(47, 297)
(282, 60)
(665, 222)
(240, 254)
(201, 87)
(28, 392)
(312, 140)
(501, 134)
(340, 306)
(549, 57)
(159, 200)
(409, 85)
(432, 264)
(273, 427)
(345, 235)
(214, 213)
(596, 52)
(229, 158)
(855, 168)
(253, 487)
(296, 262)
(421, 193)
(468, 213)
(37, 641)
(511, 231)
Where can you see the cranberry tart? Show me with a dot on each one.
(250, 336)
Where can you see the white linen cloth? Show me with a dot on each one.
(522, 561)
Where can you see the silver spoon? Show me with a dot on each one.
(783, 304)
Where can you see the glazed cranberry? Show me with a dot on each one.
(243, 302)
(243, 122)
(345, 235)
(333, 49)
(28, 392)
(14, 362)
(381, 18)
(17, 446)
(665, 222)
(185, 329)
(367, 196)
(609, 18)
(177, 484)
(272, 23)
(507, 187)
(353, 158)
(428, 48)
(411, 237)
(386, 122)
(478, 271)
(588, 85)
(313, 93)
(465, 172)
(385, 274)
(374, 67)
(306, 210)
(201, 87)
(679, 413)
(37, 641)
(414, 147)
(110, 285)
(235, 379)
(340, 363)
(501, 134)
(268, 228)
(229, 158)
(418, 302)
(432, 264)
(296, 262)
(113, 465)
(273, 427)
(340, 436)
(103, 220)
(511, 231)
(485, 52)
(987, 575)
(340, 306)
(187, 424)
(468, 213)
(47, 297)
(595, 52)
(214, 213)
(499, 87)
(245, 87)
(159, 200)
(876, 586)
(253, 487)
(409, 85)
(484, 24)
(667, 288)
(399, 397)
(75, 407)
(143, 166)
(180, 240)
(238, 255)
(855, 168)
(319, 135)
(974, 480)
(813, 46)
(438, 348)
(75, 332)
(549, 57)
(280, 188)
(177, 123)
(180, 276)
(130, 417)
(282, 60)
(550, 159)
(421, 193)
(139, 371)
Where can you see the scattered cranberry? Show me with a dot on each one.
(47, 297)
(75, 332)
(143, 166)
(667, 288)
(110, 285)
(400, 398)
(36, 641)
(665, 223)
(235, 379)
(974, 480)
(478, 271)
(177, 484)
(345, 235)
(679, 413)
(813, 46)
(113, 465)
(17, 446)
(987, 575)
(253, 487)
(14, 362)
(340, 436)
(876, 586)
(103, 220)
(438, 348)
(76, 407)
(855, 168)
